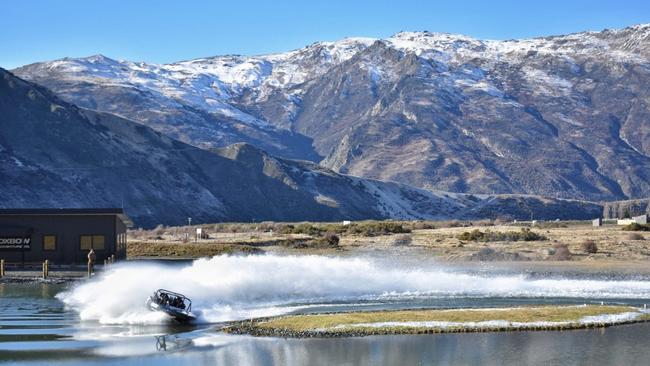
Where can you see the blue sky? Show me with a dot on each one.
(166, 31)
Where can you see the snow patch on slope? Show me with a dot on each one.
(496, 324)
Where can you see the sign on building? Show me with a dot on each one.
(15, 243)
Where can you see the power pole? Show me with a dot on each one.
(189, 224)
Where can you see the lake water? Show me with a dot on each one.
(52, 324)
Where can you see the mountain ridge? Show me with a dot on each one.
(561, 116)
(54, 154)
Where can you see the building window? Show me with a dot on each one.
(86, 242)
(98, 242)
(49, 242)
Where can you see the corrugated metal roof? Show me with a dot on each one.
(119, 212)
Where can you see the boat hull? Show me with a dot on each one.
(177, 314)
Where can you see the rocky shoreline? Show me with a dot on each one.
(246, 328)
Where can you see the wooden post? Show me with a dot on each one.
(44, 275)
(47, 268)
(2, 268)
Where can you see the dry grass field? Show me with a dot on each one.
(573, 242)
(612, 244)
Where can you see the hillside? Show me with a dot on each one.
(54, 154)
(562, 116)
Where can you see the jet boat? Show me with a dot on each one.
(176, 305)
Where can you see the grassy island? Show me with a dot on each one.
(441, 321)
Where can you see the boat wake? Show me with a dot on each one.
(227, 288)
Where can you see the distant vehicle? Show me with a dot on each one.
(176, 305)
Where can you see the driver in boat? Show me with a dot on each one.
(177, 302)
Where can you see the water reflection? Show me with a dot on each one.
(623, 345)
(161, 343)
(172, 343)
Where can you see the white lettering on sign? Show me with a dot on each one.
(15, 242)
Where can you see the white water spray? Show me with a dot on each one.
(237, 287)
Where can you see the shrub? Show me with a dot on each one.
(375, 228)
(529, 235)
(634, 236)
(636, 227)
(524, 234)
(474, 235)
(303, 228)
(421, 225)
(286, 229)
(159, 230)
(486, 222)
(308, 229)
(295, 243)
(488, 254)
(319, 243)
(332, 239)
(560, 252)
(402, 240)
(589, 246)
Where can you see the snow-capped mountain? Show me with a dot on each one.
(209, 85)
(54, 154)
(563, 116)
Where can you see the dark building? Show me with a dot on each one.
(64, 236)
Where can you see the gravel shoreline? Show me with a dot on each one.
(245, 328)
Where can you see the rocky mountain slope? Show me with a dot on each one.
(562, 116)
(54, 154)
